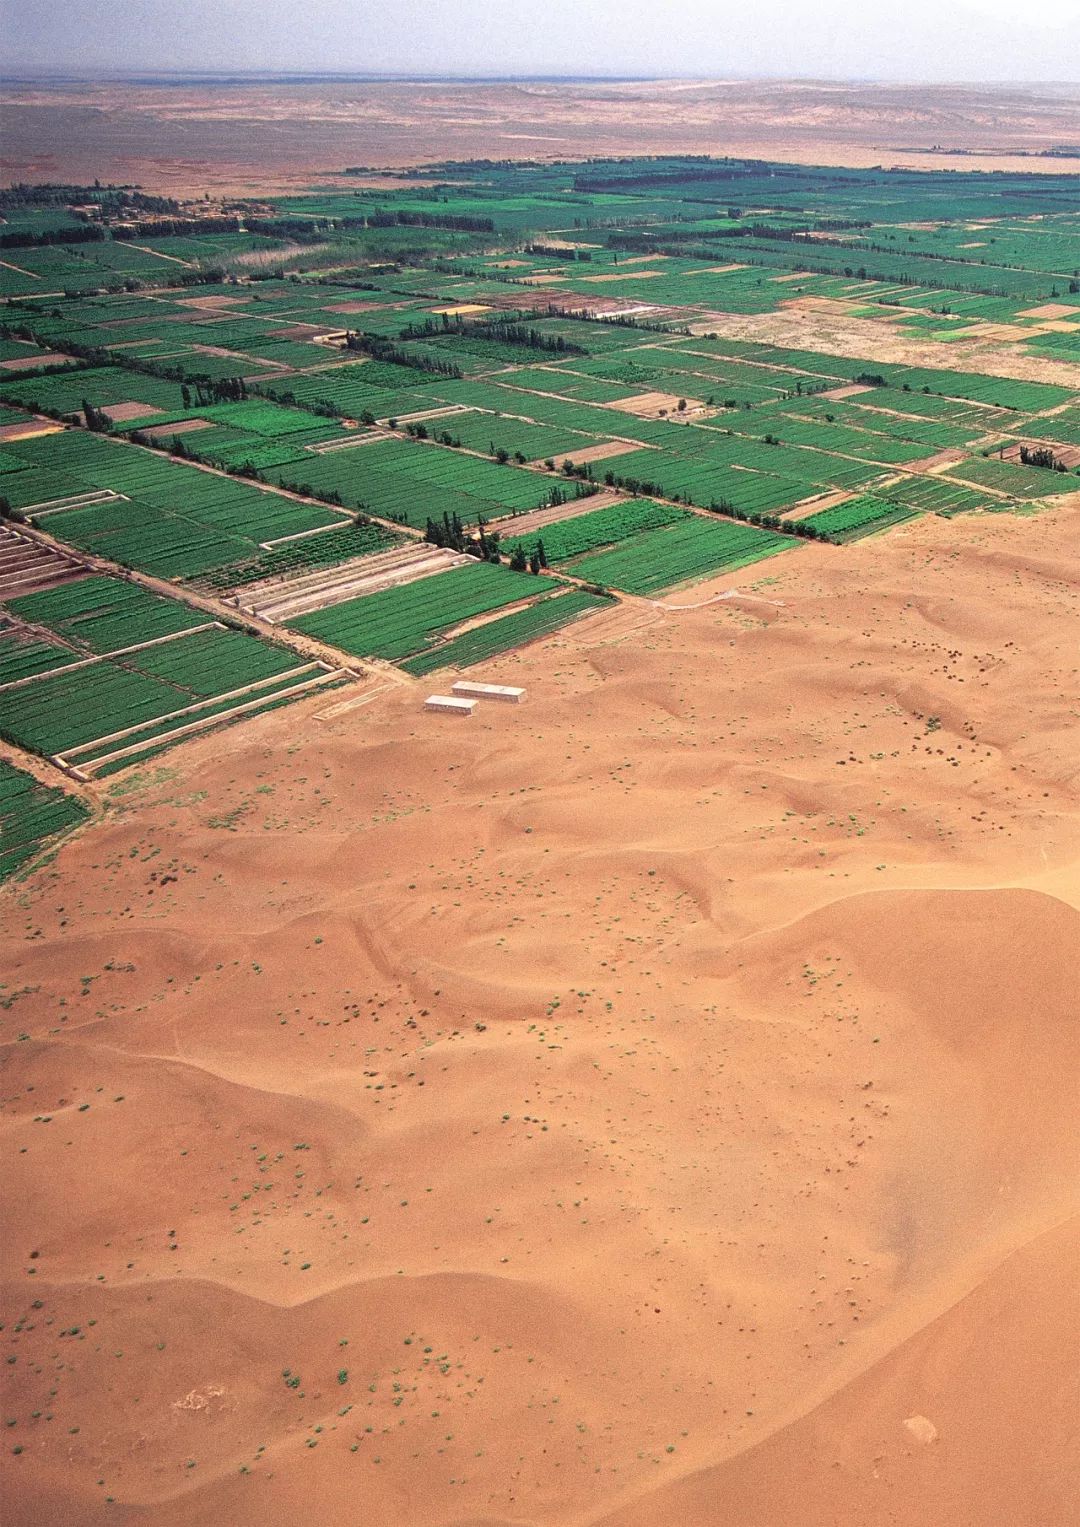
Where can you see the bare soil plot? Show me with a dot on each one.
(27, 430)
(649, 405)
(181, 427)
(937, 461)
(600, 452)
(523, 524)
(1051, 310)
(120, 413)
(818, 502)
(623, 275)
(32, 362)
(1006, 333)
(294, 331)
(356, 306)
(1069, 454)
(207, 304)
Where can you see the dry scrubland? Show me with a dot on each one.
(186, 137)
(649, 1105)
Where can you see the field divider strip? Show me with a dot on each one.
(186, 710)
(104, 657)
(76, 501)
(205, 722)
(356, 585)
(330, 447)
(300, 535)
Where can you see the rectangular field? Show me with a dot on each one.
(132, 671)
(31, 815)
(563, 539)
(166, 518)
(508, 631)
(401, 622)
(686, 552)
(857, 517)
(409, 481)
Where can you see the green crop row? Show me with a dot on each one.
(857, 517)
(30, 815)
(1018, 481)
(507, 631)
(100, 614)
(174, 521)
(410, 481)
(689, 551)
(104, 386)
(399, 622)
(66, 709)
(582, 533)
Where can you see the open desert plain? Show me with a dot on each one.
(652, 1102)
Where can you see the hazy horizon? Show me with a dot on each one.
(466, 77)
(923, 42)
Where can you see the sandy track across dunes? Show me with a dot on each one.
(634, 1106)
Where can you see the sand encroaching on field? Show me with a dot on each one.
(650, 1104)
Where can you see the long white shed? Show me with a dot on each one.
(450, 705)
(472, 689)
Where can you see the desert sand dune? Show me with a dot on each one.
(999, 1449)
(248, 135)
(633, 1107)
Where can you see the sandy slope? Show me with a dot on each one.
(631, 1108)
(995, 1451)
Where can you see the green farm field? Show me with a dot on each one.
(99, 666)
(32, 817)
(554, 331)
(403, 622)
(642, 1094)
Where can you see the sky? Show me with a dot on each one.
(915, 40)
